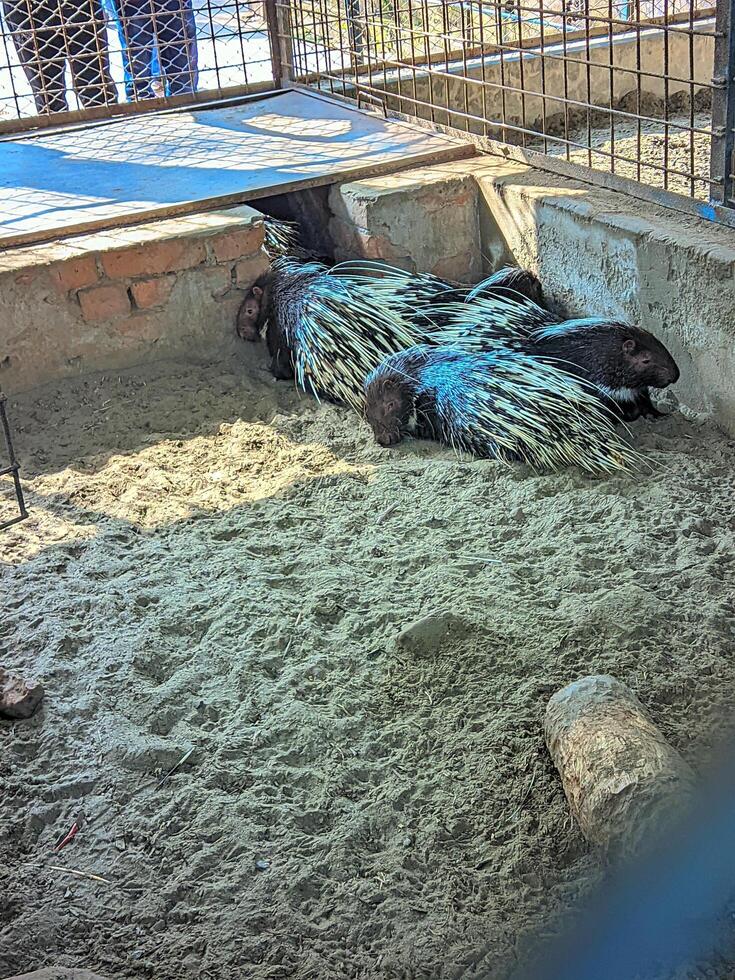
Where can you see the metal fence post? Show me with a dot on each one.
(12, 469)
(723, 106)
(278, 19)
(355, 31)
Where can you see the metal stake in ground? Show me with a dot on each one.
(13, 467)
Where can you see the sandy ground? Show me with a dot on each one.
(214, 563)
(683, 153)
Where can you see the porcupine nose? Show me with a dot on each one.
(387, 437)
(671, 373)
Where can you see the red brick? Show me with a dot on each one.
(104, 302)
(234, 244)
(248, 270)
(74, 273)
(152, 292)
(153, 259)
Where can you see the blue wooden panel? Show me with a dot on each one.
(100, 176)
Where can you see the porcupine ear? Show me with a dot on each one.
(629, 346)
(257, 292)
(393, 391)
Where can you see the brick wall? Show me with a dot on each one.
(164, 289)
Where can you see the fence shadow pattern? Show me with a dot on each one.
(635, 88)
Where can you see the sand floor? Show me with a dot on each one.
(657, 147)
(214, 563)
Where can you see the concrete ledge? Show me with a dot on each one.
(596, 251)
(172, 288)
(112, 300)
(419, 219)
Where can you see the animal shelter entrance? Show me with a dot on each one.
(121, 171)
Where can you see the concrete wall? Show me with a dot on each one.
(430, 225)
(495, 100)
(95, 302)
(172, 288)
(597, 252)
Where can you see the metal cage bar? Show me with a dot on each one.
(12, 469)
(723, 108)
(83, 56)
(622, 86)
(640, 90)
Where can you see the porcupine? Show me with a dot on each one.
(623, 361)
(324, 332)
(280, 239)
(284, 238)
(421, 293)
(257, 320)
(364, 283)
(501, 404)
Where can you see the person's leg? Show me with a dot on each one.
(177, 46)
(136, 20)
(192, 51)
(36, 31)
(156, 73)
(86, 44)
(111, 9)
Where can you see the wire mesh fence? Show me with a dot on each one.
(622, 86)
(639, 89)
(67, 55)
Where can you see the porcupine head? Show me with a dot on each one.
(615, 356)
(389, 404)
(253, 311)
(649, 362)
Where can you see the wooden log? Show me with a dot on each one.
(621, 777)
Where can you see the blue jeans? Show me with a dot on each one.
(157, 37)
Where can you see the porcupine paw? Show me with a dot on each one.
(281, 369)
(651, 412)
